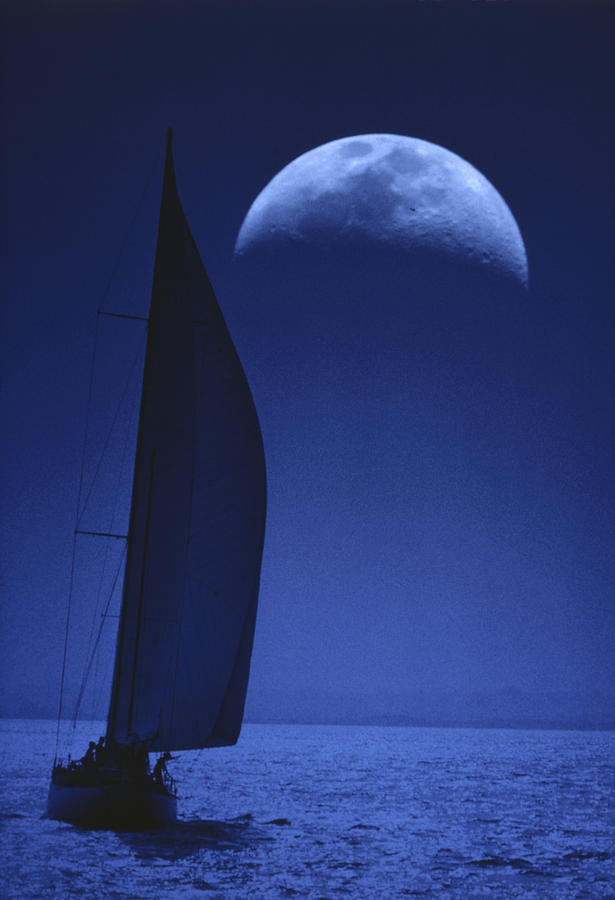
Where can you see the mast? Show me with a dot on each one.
(197, 517)
(121, 650)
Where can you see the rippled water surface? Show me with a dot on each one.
(333, 811)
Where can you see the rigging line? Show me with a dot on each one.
(128, 231)
(139, 621)
(123, 244)
(113, 315)
(92, 644)
(70, 594)
(87, 427)
(102, 622)
(74, 550)
(168, 724)
(116, 496)
(199, 382)
(85, 441)
(133, 418)
(99, 635)
(129, 378)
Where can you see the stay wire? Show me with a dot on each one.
(92, 641)
(129, 380)
(98, 636)
(85, 443)
(74, 550)
(128, 231)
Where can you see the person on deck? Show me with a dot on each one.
(160, 769)
(88, 758)
(101, 753)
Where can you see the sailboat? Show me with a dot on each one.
(193, 556)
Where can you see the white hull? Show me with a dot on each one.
(112, 806)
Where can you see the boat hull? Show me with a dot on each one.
(112, 806)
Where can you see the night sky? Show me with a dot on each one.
(440, 541)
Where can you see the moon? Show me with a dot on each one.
(398, 193)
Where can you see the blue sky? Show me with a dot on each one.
(430, 530)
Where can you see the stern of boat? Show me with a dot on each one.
(121, 806)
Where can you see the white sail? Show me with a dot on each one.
(197, 517)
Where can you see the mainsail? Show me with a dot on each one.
(197, 516)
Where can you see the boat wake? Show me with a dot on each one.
(186, 839)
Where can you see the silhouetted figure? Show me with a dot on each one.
(101, 753)
(88, 758)
(160, 769)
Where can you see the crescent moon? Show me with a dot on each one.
(385, 190)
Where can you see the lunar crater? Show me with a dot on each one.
(414, 196)
(356, 149)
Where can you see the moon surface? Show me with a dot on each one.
(384, 190)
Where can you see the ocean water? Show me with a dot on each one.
(333, 811)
